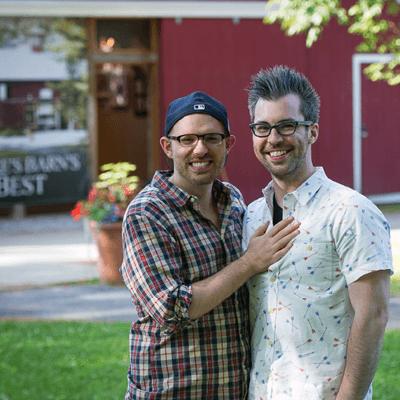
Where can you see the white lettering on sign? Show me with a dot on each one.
(26, 176)
(39, 164)
(25, 185)
(52, 163)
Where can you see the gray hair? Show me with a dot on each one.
(275, 83)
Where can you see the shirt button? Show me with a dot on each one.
(309, 248)
(192, 199)
(273, 279)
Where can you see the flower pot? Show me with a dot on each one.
(108, 238)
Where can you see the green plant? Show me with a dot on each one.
(375, 21)
(110, 195)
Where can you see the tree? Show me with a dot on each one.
(374, 20)
(72, 50)
(67, 38)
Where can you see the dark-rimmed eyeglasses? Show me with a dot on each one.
(284, 128)
(209, 139)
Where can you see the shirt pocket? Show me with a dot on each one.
(314, 268)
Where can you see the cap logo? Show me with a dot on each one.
(199, 107)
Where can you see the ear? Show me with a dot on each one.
(230, 141)
(166, 146)
(314, 133)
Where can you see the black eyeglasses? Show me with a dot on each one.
(284, 128)
(209, 139)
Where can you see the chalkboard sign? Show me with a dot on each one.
(47, 167)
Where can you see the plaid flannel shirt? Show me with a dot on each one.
(168, 246)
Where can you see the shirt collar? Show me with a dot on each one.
(178, 196)
(303, 193)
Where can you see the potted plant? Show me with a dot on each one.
(104, 207)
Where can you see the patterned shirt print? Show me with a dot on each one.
(300, 312)
(168, 246)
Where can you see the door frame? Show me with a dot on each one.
(357, 61)
(134, 57)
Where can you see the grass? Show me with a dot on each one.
(87, 360)
(389, 208)
(395, 286)
(386, 384)
(93, 281)
(63, 360)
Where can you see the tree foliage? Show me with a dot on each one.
(72, 50)
(376, 21)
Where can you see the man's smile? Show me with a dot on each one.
(277, 153)
(200, 164)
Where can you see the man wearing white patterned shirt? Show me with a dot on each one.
(318, 315)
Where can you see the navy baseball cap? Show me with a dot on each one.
(195, 103)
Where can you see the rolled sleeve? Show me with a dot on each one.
(152, 271)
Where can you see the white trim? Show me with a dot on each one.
(357, 60)
(134, 9)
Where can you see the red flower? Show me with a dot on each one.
(76, 213)
(92, 194)
(108, 198)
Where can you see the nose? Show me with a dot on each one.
(200, 147)
(274, 136)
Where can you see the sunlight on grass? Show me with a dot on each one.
(395, 285)
(386, 384)
(63, 360)
(88, 360)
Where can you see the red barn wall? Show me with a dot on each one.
(219, 57)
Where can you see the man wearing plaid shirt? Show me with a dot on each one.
(184, 267)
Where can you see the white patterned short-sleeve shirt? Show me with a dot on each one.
(300, 311)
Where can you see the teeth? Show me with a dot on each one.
(277, 153)
(200, 164)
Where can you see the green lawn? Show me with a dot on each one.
(386, 384)
(83, 360)
(395, 285)
(63, 360)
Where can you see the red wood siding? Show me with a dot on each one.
(23, 89)
(12, 115)
(219, 57)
